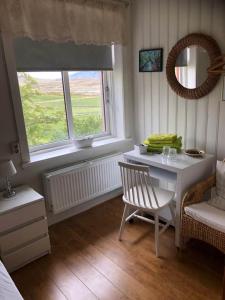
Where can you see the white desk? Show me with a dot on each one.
(183, 172)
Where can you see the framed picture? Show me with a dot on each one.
(150, 60)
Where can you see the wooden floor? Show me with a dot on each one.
(87, 262)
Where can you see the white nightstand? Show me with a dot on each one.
(23, 228)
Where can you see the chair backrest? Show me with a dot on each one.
(137, 187)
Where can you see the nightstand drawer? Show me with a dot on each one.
(26, 254)
(9, 242)
(20, 216)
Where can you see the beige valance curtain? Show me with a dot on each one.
(99, 22)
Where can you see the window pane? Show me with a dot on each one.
(43, 107)
(87, 102)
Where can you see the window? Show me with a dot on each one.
(61, 106)
(87, 100)
(60, 103)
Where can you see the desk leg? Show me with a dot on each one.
(179, 194)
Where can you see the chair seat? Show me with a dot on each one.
(207, 214)
(163, 198)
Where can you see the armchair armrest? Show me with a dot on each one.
(196, 193)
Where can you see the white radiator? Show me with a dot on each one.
(73, 185)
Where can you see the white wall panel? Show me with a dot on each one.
(164, 43)
(218, 32)
(154, 28)
(147, 78)
(138, 80)
(202, 104)
(183, 13)
(172, 38)
(161, 23)
(193, 26)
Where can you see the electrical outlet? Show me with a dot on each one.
(15, 147)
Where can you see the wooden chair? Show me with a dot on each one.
(193, 228)
(140, 196)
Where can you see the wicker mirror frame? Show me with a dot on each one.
(213, 50)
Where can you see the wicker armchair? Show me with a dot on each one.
(190, 228)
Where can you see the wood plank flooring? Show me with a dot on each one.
(88, 262)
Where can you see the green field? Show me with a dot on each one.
(45, 116)
(81, 104)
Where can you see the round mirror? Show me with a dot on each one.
(191, 66)
(187, 66)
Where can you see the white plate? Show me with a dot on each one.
(197, 155)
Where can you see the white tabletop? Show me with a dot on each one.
(181, 163)
(24, 195)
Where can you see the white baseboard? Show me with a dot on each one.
(55, 218)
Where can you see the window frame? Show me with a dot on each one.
(69, 115)
(6, 42)
(8, 55)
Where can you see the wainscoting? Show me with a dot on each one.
(157, 108)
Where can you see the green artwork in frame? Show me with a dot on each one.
(150, 60)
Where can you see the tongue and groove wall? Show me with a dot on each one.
(161, 23)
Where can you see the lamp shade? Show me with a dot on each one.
(7, 168)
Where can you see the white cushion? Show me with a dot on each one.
(218, 193)
(216, 201)
(207, 214)
(220, 179)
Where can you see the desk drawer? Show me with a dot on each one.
(26, 254)
(22, 216)
(20, 237)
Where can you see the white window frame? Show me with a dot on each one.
(25, 150)
(69, 116)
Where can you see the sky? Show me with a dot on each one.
(47, 75)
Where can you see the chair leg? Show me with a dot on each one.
(123, 221)
(157, 235)
(172, 213)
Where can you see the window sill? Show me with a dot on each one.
(42, 156)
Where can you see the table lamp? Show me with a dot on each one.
(7, 170)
